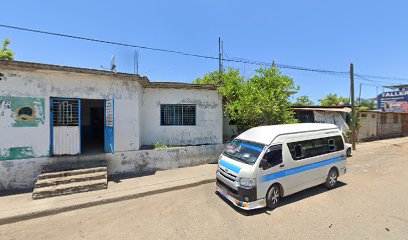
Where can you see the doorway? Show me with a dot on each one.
(92, 126)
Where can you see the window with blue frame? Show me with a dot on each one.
(177, 115)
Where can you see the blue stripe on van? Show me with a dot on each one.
(251, 147)
(300, 169)
(230, 166)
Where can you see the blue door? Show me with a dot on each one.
(109, 145)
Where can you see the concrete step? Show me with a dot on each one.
(69, 188)
(71, 172)
(46, 182)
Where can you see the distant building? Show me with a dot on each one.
(321, 114)
(378, 125)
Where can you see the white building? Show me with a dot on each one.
(55, 115)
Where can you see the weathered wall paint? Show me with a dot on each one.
(22, 120)
(208, 129)
(137, 122)
(373, 127)
(22, 174)
(21, 111)
(16, 153)
(40, 86)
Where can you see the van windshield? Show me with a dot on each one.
(244, 151)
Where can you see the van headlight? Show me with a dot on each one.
(247, 182)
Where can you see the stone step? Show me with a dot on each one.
(46, 182)
(69, 188)
(71, 172)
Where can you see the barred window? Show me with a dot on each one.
(177, 115)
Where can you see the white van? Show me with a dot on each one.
(266, 163)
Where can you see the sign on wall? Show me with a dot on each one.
(21, 111)
(396, 101)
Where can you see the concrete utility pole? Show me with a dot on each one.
(219, 56)
(359, 94)
(353, 108)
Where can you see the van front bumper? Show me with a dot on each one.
(260, 203)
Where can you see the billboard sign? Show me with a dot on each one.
(396, 101)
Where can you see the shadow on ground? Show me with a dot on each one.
(4, 193)
(310, 192)
(119, 178)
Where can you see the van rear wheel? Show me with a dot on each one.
(273, 197)
(331, 180)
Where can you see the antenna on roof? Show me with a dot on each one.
(113, 64)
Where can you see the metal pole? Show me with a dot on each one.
(219, 55)
(353, 108)
(359, 95)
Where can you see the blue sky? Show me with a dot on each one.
(320, 34)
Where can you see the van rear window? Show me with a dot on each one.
(315, 147)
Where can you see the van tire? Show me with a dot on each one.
(331, 180)
(273, 196)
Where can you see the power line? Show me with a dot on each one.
(385, 78)
(381, 83)
(107, 42)
(236, 60)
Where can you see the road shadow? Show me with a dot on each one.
(120, 177)
(310, 192)
(4, 193)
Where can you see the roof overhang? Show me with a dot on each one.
(144, 81)
(342, 109)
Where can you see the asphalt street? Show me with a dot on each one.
(371, 202)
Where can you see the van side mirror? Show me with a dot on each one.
(264, 164)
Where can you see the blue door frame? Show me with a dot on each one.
(109, 136)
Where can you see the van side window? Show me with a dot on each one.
(274, 155)
(298, 149)
(332, 145)
(315, 147)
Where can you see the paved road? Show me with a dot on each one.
(372, 203)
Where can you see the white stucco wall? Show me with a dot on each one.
(46, 84)
(208, 129)
(137, 122)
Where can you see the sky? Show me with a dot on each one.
(316, 33)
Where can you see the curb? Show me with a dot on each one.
(43, 213)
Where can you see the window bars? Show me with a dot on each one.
(177, 115)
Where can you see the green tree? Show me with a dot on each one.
(5, 51)
(228, 83)
(260, 100)
(334, 100)
(365, 104)
(303, 101)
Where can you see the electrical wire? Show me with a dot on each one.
(232, 59)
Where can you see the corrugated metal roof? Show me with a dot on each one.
(341, 109)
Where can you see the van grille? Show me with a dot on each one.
(228, 188)
(229, 176)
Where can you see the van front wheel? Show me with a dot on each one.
(273, 197)
(331, 180)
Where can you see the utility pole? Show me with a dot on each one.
(359, 94)
(136, 62)
(219, 56)
(353, 108)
